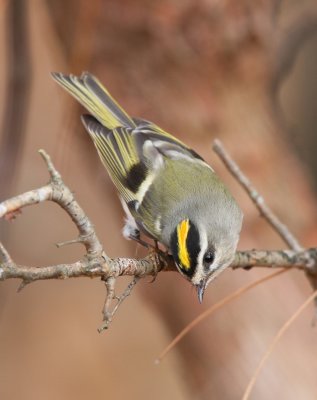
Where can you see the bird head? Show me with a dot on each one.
(201, 252)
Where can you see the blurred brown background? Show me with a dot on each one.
(242, 71)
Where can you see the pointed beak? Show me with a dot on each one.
(200, 291)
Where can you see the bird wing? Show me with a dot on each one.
(118, 153)
(141, 163)
(134, 151)
(134, 157)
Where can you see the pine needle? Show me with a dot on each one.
(274, 341)
(214, 308)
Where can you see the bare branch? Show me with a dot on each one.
(97, 264)
(102, 267)
(26, 199)
(59, 193)
(305, 260)
(257, 199)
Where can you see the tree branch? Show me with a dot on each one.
(96, 263)
(104, 267)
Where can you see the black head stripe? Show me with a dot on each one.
(193, 248)
(174, 246)
(136, 176)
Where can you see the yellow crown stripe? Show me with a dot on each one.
(182, 233)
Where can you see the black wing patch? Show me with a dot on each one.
(135, 176)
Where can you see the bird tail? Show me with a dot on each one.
(89, 91)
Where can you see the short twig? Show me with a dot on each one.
(4, 255)
(55, 175)
(109, 313)
(22, 285)
(68, 242)
(126, 293)
(257, 199)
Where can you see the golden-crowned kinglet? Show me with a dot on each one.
(167, 190)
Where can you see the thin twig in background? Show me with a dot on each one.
(284, 233)
(274, 341)
(257, 199)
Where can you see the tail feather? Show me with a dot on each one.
(89, 91)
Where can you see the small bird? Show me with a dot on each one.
(168, 192)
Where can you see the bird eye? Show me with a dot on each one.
(209, 257)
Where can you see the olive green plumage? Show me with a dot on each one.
(167, 190)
